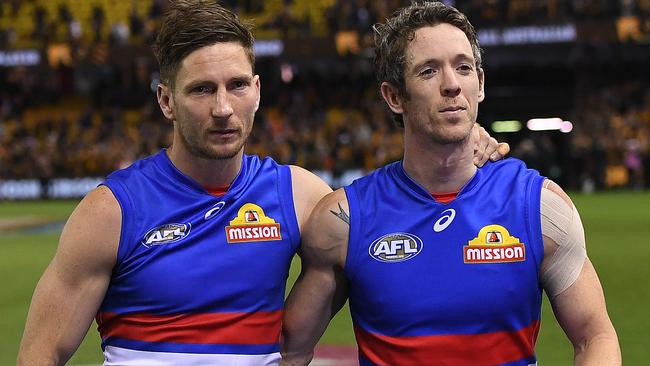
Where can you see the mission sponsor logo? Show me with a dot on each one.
(165, 234)
(395, 247)
(494, 244)
(251, 224)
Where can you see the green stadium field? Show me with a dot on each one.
(618, 239)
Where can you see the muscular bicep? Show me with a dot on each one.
(571, 283)
(324, 242)
(581, 304)
(72, 287)
(321, 289)
(582, 314)
(564, 240)
(90, 238)
(328, 227)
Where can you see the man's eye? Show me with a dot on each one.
(239, 84)
(426, 72)
(202, 89)
(465, 68)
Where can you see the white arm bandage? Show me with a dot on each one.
(561, 223)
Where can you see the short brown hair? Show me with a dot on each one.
(192, 24)
(392, 38)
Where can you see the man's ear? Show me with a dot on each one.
(392, 97)
(165, 100)
(481, 85)
(256, 82)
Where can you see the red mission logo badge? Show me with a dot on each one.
(494, 244)
(251, 224)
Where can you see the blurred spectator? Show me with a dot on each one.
(252, 6)
(40, 23)
(285, 21)
(136, 24)
(97, 22)
(98, 112)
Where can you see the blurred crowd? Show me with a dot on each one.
(81, 113)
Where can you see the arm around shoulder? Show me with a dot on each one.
(73, 286)
(321, 289)
(572, 284)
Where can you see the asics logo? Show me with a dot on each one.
(444, 221)
(213, 211)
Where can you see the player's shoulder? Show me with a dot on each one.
(333, 199)
(308, 180)
(506, 163)
(94, 226)
(508, 169)
(326, 235)
(100, 202)
(554, 190)
(302, 173)
(307, 190)
(332, 214)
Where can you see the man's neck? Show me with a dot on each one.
(437, 167)
(207, 172)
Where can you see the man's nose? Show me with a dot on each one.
(450, 87)
(222, 107)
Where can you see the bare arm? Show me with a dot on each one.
(70, 291)
(308, 189)
(487, 147)
(321, 289)
(580, 309)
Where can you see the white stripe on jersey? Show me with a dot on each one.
(116, 356)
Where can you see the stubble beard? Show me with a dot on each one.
(198, 146)
(440, 134)
(440, 137)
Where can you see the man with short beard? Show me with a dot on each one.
(444, 263)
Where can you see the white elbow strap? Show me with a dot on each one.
(561, 223)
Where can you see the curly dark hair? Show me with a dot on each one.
(392, 38)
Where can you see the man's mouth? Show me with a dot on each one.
(224, 132)
(452, 109)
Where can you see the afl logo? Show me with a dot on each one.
(395, 247)
(165, 234)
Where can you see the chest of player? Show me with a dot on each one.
(445, 266)
(215, 255)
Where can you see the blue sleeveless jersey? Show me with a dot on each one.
(199, 279)
(446, 284)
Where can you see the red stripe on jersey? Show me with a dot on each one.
(262, 327)
(461, 349)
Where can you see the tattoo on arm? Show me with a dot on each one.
(342, 215)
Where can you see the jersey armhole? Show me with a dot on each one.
(351, 257)
(126, 206)
(285, 193)
(533, 212)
